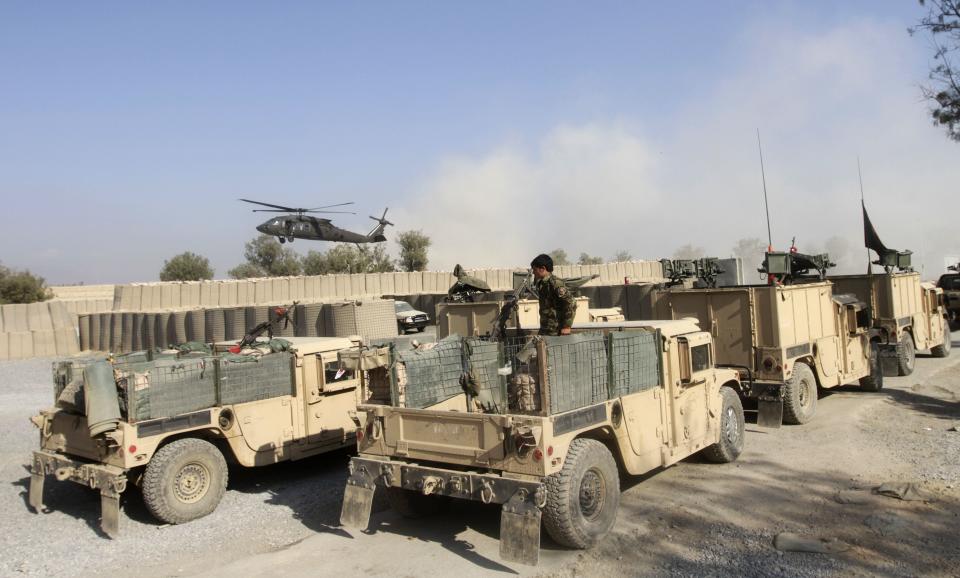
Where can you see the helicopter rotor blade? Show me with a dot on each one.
(328, 206)
(281, 207)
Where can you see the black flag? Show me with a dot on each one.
(870, 238)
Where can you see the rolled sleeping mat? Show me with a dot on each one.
(213, 325)
(100, 398)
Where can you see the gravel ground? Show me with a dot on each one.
(694, 519)
(285, 503)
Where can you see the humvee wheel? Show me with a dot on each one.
(582, 498)
(730, 445)
(185, 480)
(800, 396)
(874, 381)
(906, 355)
(944, 348)
(410, 504)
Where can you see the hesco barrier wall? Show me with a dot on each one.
(158, 314)
(231, 293)
(44, 329)
(126, 331)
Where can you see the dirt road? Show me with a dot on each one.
(701, 519)
(693, 519)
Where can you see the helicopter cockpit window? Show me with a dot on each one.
(276, 222)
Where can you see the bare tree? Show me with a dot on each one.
(942, 25)
(622, 256)
(559, 257)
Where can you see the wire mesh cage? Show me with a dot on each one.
(577, 371)
(166, 387)
(255, 378)
(634, 362)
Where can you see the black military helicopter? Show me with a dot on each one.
(297, 224)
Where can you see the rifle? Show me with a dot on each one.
(500, 324)
(279, 314)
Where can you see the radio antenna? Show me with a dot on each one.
(860, 176)
(766, 203)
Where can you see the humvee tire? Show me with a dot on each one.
(583, 497)
(410, 504)
(906, 355)
(184, 481)
(874, 381)
(944, 348)
(800, 396)
(730, 445)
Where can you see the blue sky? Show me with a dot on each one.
(128, 131)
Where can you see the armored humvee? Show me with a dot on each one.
(171, 422)
(786, 340)
(907, 313)
(949, 283)
(545, 426)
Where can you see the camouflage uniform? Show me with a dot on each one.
(557, 305)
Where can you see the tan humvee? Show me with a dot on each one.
(907, 313)
(549, 434)
(180, 460)
(785, 341)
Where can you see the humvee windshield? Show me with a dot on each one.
(950, 282)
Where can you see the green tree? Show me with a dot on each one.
(622, 256)
(22, 287)
(186, 266)
(246, 271)
(348, 259)
(942, 25)
(586, 259)
(413, 250)
(559, 257)
(270, 257)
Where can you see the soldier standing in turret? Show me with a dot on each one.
(557, 304)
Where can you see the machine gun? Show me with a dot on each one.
(891, 259)
(955, 268)
(276, 315)
(523, 284)
(466, 287)
(705, 271)
(786, 268)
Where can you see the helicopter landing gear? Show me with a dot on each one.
(282, 240)
(290, 238)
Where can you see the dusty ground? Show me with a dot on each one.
(693, 519)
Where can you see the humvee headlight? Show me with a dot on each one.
(768, 363)
(537, 454)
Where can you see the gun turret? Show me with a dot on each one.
(787, 267)
(705, 271)
(277, 314)
(466, 287)
(891, 259)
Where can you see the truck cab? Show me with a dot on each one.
(547, 427)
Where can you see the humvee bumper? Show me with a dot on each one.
(110, 480)
(522, 500)
(769, 398)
